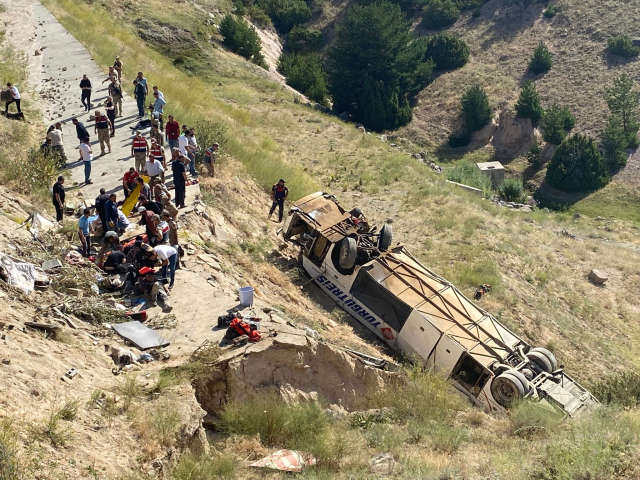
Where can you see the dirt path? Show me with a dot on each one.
(56, 76)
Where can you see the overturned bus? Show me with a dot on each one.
(421, 314)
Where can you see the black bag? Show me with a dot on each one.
(225, 320)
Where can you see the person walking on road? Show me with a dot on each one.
(129, 181)
(86, 156)
(102, 128)
(85, 87)
(111, 115)
(140, 94)
(58, 198)
(81, 130)
(179, 179)
(118, 66)
(15, 98)
(139, 151)
(84, 231)
(278, 195)
(115, 92)
(172, 132)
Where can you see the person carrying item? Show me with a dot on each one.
(139, 149)
(102, 129)
(15, 98)
(168, 256)
(86, 156)
(84, 232)
(129, 181)
(85, 88)
(140, 94)
(154, 291)
(58, 198)
(278, 195)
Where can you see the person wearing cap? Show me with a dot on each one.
(102, 128)
(168, 256)
(110, 242)
(111, 213)
(118, 66)
(144, 252)
(139, 149)
(129, 181)
(172, 132)
(210, 156)
(144, 187)
(156, 134)
(278, 195)
(85, 87)
(154, 291)
(154, 169)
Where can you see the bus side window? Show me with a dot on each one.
(470, 374)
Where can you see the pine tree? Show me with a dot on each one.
(555, 123)
(475, 108)
(614, 142)
(242, 39)
(528, 105)
(622, 100)
(439, 14)
(375, 47)
(447, 51)
(541, 61)
(382, 106)
(577, 165)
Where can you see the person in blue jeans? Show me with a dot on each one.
(169, 257)
(86, 155)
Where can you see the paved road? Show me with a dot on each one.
(64, 51)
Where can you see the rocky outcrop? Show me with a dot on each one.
(298, 367)
(514, 135)
(483, 136)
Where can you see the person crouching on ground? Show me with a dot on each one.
(129, 181)
(154, 291)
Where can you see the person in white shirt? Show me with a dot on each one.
(192, 149)
(169, 257)
(86, 155)
(154, 168)
(123, 221)
(183, 143)
(160, 94)
(15, 98)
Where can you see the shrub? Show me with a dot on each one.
(614, 142)
(527, 416)
(533, 155)
(303, 40)
(541, 61)
(619, 389)
(512, 190)
(439, 14)
(551, 11)
(447, 51)
(555, 121)
(622, 45)
(475, 108)
(210, 131)
(305, 74)
(383, 107)
(10, 466)
(528, 105)
(469, 4)
(577, 165)
(276, 423)
(286, 14)
(461, 138)
(622, 100)
(192, 467)
(241, 11)
(242, 39)
(259, 17)
(476, 12)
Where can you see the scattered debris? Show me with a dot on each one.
(286, 461)
(19, 275)
(480, 292)
(49, 327)
(139, 335)
(76, 292)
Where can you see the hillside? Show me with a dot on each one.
(538, 273)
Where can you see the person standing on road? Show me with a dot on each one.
(179, 179)
(129, 181)
(140, 95)
(81, 130)
(102, 128)
(85, 87)
(99, 204)
(111, 213)
(158, 108)
(172, 132)
(155, 134)
(115, 92)
(160, 94)
(118, 66)
(84, 231)
(140, 79)
(111, 115)
(139, 149)
(158, 152)
(192, 149)
(15, 98)
(58, 198)
(278, 195)
(86, 156)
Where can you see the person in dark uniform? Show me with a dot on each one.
(85, 86)
(101, 201)
(278, 195)
(58, 198)
(179, 179)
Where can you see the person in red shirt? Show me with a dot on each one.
(129, 181)
(172, 131)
